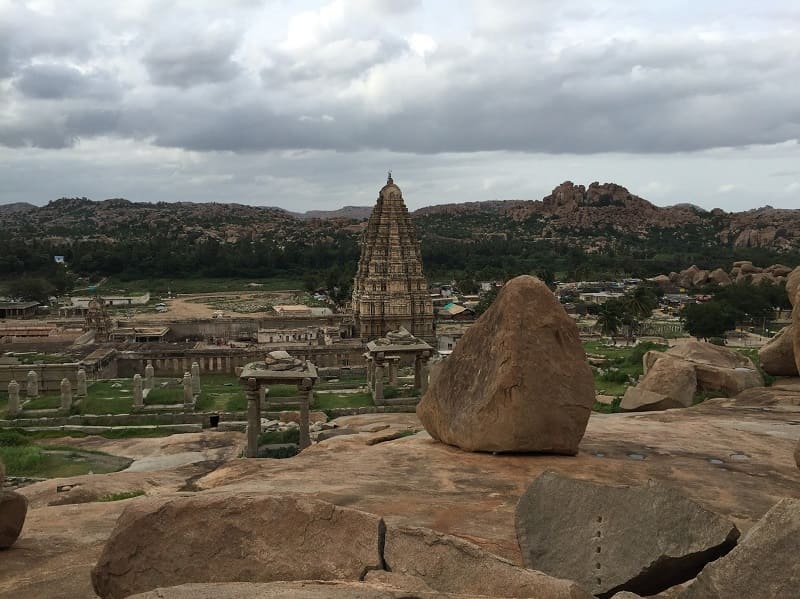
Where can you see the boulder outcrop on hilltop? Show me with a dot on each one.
(777, 355)
(741, 271)
(667, 383)
(642, 539)
(518, 379)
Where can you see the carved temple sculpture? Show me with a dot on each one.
(279, 367)
(390, 290)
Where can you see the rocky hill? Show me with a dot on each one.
(592, 218)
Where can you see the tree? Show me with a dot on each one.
(467, 286)
(610, 317)
(711, 319)
(31, 289)
(486, 301)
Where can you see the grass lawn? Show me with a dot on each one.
(3, 406)
(45, 402)
(623, 364)
(329, 401)
(102, 397)
(221, 393)
(169, 395)
(201, 285)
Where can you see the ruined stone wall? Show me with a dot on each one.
(50, 376)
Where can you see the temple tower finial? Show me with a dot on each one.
(389, 179)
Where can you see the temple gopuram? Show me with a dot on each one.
(390, 290)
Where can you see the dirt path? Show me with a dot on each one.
(192, 306)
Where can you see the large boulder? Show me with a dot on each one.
(234, 537)
(668, 384)
(719, 276)
(13, 509)
(717, 368)
(609, 539)
(796, 331)
(517, 380)
(777, 355)
(797, 454)
(764, 564)
(451, 565)
(793, 286)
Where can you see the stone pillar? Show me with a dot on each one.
(81, 386)
(370, 374)
(66, 395)
(149, 375)
(195, 378)
(393, 372)
(423, 376)
(188, 396)
(377, 388)
(138, 396)
(253, 418)
(33, 385)
(305, 401)
(13, 398)
(418, 372)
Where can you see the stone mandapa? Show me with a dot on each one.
(518, 380)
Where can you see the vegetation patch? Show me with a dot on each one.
(121, 496)
(291, 435)
(331, 401)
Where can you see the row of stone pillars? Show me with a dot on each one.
(32, 391)
(254, 392)
(380, 365)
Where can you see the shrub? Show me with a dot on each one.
(12, 438)
(121, 496)
(291, 435)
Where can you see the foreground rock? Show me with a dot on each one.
(301, 590)
(517, 381)
(777, 356)
(230, 537)
(609, 539)
(764, 564)
(451, 565)
(13, 509)
(668, 384)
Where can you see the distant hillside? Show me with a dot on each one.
(600, 228)
(17, 207)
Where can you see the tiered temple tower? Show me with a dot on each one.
(390, 290)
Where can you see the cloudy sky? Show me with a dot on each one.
(305, 105)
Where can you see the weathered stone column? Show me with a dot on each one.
(138, 396)
(195, 378)
(263, 393)
(81, 383)
(370, 373)
(253, 418)
(423, 387)
(305, 400)
(33, 385)
(188, 396)
(66, 395)
(149, 375)
(393, 366)
(377, 390)
(418, 372)
(13, 399)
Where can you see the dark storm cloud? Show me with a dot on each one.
(349, 80)
(53, 81)
(186, 61)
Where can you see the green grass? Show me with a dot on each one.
(611, 408)
(221, 393)
(121, 496)
(330, 401)
(752, 353)
(200, 285)
(131, 433)
(291, 435)
(626, 362)
(45, 402)
(164, 396)
(103, 398)
(44, 462)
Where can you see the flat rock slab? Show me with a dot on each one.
(449, 564)
(230, 537)
(640, 539)
(766, 563)
(295, 590)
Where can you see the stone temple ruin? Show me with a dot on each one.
(390, 290)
